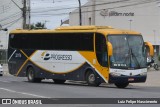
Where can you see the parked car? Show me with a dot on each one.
(1, 70)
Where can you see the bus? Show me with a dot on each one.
(95, 54)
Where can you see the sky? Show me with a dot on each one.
(51, 12)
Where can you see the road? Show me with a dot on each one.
(18, 87)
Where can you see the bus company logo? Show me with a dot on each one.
(47, 56)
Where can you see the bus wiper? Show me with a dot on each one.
(132, 54)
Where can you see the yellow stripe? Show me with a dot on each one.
(32, 54)
(28, 58)
(21, 67)
(24, 54)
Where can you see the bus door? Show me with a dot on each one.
(101, 55)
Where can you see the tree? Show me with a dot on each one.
(38, 25)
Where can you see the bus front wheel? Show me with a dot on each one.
(121, 85)
(31, 75)
(92, 79)
(57, 81)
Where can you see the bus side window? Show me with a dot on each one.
(101, 50)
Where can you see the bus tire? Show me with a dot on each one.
(92, 79)
(121, 85)
(31, 75)
(57, 81)
(1, 74)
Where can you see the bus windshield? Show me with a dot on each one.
(128, 52)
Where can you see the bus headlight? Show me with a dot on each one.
(115, 74)
(143, 74)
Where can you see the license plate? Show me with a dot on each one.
(130, 79)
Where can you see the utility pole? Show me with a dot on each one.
(24, 14)
(29, 13)
(154, 31)
(24, 10)
(80, 13)
(93, 12)
(130, 24)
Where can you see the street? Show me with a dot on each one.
(19, 87)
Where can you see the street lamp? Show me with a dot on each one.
(130, 24)
(154, 31)
(80, 14)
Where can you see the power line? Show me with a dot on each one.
(12, 22)
(55, 3)
(138, 3)
(5, 7)
(119, 1)
(17, 5)
(51, 1)
(24, 10)
(11, 16)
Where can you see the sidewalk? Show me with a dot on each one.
(153, 79)
(5, 69)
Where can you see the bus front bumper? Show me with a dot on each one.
(127, 79)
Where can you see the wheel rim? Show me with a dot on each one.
(91, 78)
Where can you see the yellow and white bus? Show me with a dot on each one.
(94, 54)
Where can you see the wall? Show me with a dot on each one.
(139, 15)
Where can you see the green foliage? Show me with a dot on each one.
(38, 25)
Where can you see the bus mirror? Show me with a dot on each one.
(151, 49)
(110, 49)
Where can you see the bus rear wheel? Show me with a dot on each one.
(31, 75)
(91, 79)
(57, 81)
(121, 85)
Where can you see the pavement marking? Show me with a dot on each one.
(5, 81)
(34, 95)
(8, 90)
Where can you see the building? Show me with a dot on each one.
(11, 17)
(139, 15)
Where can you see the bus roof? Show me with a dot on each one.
(83, 27)
(101, 29)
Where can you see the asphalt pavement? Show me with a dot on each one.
(19, 87)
